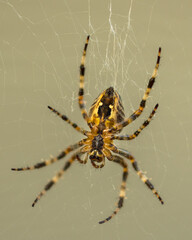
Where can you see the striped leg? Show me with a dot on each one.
(143, 178)
(107, 153)
(138, 112)
(52, 160)
(120, 161)
(55, 179)
(81, 87)
(65, 118)
(136, 133)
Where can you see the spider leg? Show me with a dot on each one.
(81, 86)
(52, 160)
(120, 161)
(137, 132)
(55, 178)
(138, 112)
(143, 178)
(65, 118)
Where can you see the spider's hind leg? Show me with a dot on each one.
(66, 119)
(81, 86)
(138, 112)
(138, 131)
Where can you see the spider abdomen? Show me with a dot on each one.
(107, 110)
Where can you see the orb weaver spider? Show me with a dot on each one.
(106, 119)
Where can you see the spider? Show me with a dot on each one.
(105, 119)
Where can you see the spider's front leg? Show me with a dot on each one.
(143, 178)
(120, 161)
(56, 178)
(54, 159)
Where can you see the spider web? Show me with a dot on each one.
(41, 48)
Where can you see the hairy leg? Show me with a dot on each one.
(55, 179)
(66, 119)
(52, 160)
(143, 178)
(122, 163)
(138, 112)
(138, 131)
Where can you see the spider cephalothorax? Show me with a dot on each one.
(97, 143)
(106, 119)
(96, 151)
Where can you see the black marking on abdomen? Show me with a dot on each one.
(107, 100)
